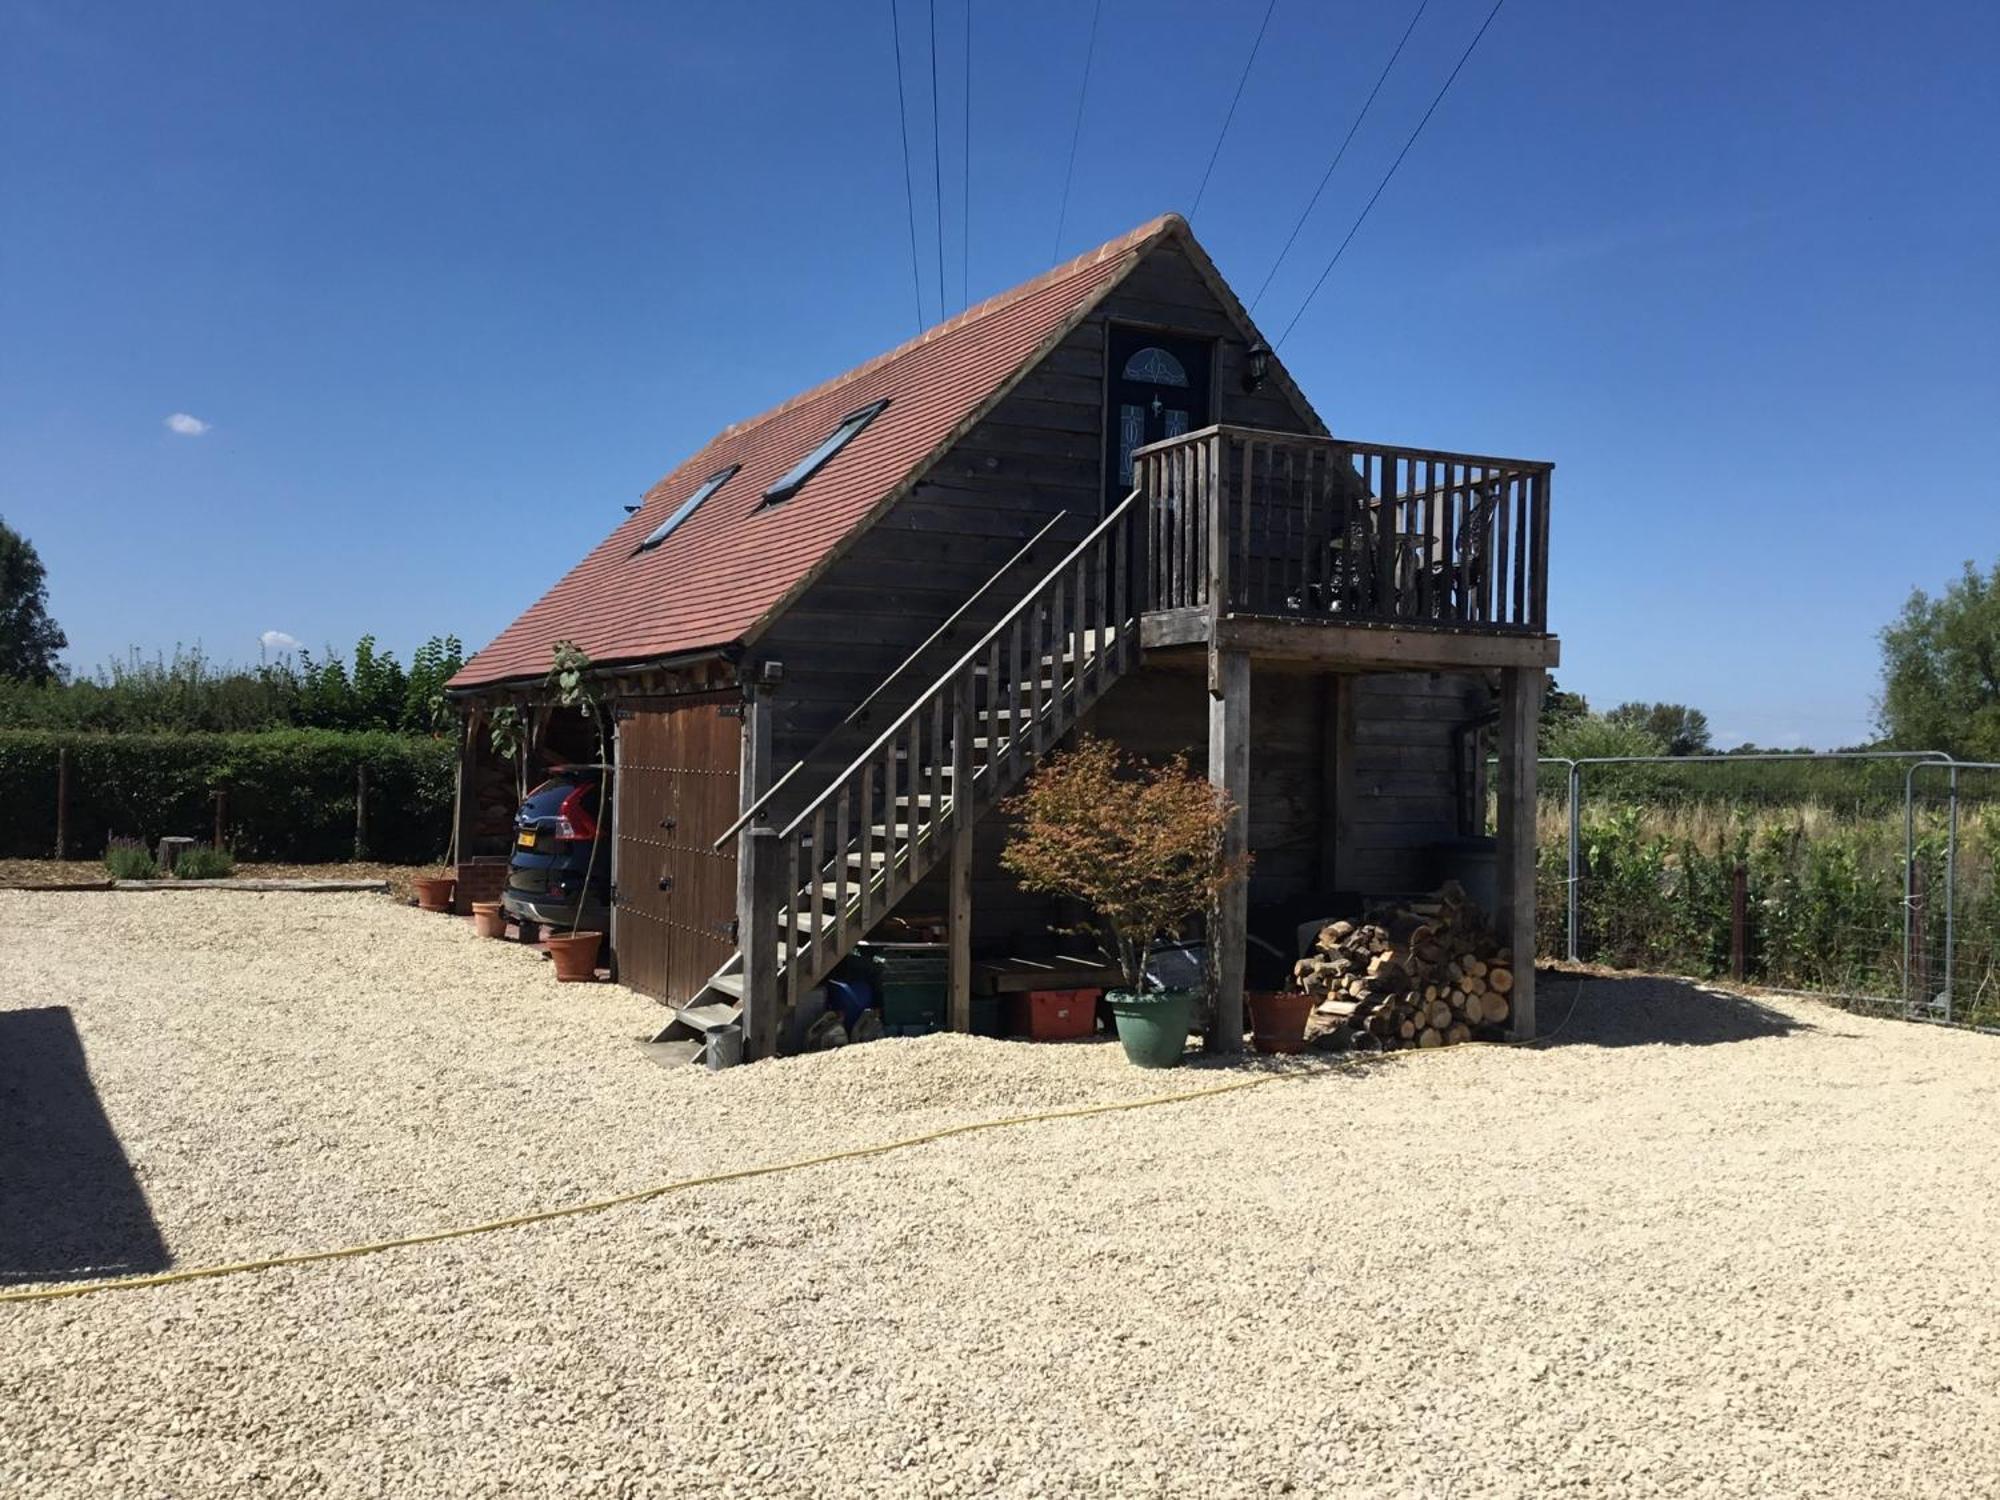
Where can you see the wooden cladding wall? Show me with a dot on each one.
(677, 789)
(1040, 452)
(1352, 781)
(1399, 783)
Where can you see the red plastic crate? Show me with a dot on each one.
(1056, 1015)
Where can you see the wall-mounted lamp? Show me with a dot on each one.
(1256, 365)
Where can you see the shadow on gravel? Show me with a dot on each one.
(1649, 1011)
(70, 1208)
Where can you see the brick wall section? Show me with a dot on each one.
(479, 879)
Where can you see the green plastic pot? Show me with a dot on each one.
(1153, 1025)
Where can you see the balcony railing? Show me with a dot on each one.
(1249, 522)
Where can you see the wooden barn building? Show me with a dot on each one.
(838, 635)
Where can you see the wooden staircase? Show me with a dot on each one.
(822, 882)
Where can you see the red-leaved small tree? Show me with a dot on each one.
(1140, 845)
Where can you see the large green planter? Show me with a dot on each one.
(1153, 1025)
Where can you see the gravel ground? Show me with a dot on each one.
(402, 878)
(1700, 1245)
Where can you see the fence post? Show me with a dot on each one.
(1739, 924)
(1575, 854)
(361, 812)
(1951, 896)
(1919, 981)
(62, 802)
(220, 797)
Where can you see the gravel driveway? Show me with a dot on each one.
(1701, 1244)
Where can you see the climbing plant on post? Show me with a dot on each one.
(569, 680)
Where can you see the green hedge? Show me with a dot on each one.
(291, 792)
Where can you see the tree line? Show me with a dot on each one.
(1940, 682)
(190, 693)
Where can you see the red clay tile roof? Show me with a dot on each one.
(726, 567)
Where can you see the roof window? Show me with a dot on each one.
(685, 509)
(849, 428)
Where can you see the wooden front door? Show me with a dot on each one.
(678, 772)
(1158, 388)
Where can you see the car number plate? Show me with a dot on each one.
(527, 839)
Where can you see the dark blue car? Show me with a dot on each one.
(554, 833)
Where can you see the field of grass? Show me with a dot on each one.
(1826, 892)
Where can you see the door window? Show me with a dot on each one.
(1159, 389)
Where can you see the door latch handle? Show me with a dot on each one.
(666, 882)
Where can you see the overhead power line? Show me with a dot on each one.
(1076, 132)
(1234, 100)
(937, 160)
(1333, 165)
(965, 191)
(1362, 217)
(909, 194)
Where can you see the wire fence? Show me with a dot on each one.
(1865, 876)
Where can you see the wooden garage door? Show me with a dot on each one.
(678, 772)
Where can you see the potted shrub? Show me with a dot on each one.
(1141, 847)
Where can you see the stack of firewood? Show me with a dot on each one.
(1425, 974)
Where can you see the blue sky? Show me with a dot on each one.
(448, 285)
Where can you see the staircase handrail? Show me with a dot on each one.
(923, 700)
(750, 812)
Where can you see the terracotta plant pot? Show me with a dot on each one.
(1278, 1019)
(488, 920)
(434, 893)
(575, 955)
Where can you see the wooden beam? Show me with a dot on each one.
(1229, 769)
(756, 883)
(1397, 648)
(958, 910)
(465, 801)
(1520, 711)
(1338, 779)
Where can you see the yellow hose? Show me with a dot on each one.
(739, 1174)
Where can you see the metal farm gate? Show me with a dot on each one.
(677, 780)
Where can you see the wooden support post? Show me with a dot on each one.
(62, 802)
(465, 803)
(959, 899)
(361, 812)
(756, 885)
(758, 870)
(1739, 924)
(1520, 710)
(220, 796)
(1327, 741)
(1229, 770)
(607, 801)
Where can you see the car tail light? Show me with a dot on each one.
(573, 819)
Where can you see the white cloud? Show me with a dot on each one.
(277, 640)
(186, 426)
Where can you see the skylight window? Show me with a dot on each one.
(849, 428)
(685, 509)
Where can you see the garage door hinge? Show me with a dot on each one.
(622, 714)
(730, 930)
(732, 710)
